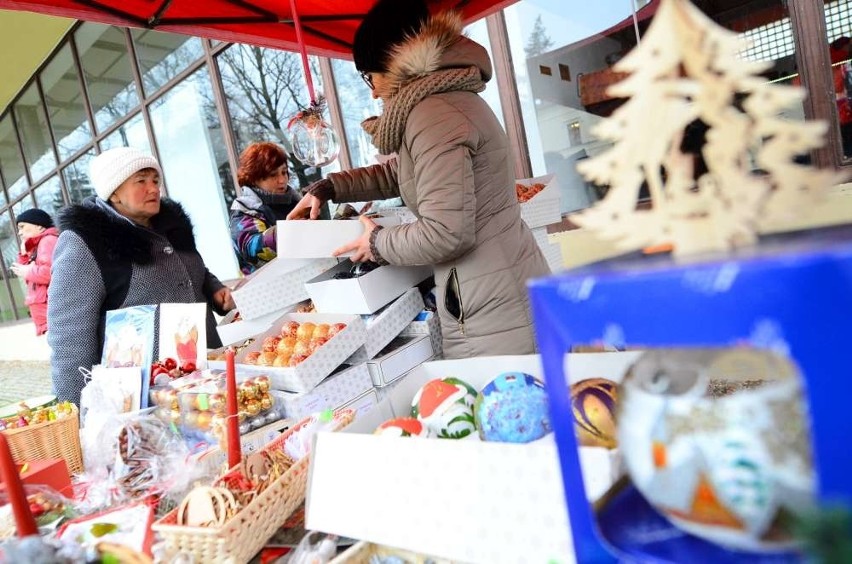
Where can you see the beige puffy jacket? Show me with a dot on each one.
(454, 172)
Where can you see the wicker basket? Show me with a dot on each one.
(239, 539)
(59, 438)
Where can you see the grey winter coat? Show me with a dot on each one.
(454, 172)
(104, 261)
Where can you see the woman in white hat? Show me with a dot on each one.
(126, 246)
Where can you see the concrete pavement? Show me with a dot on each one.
(24, 363)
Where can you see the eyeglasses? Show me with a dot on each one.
(368, 78)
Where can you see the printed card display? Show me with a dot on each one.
(129, 342)
(183, 333)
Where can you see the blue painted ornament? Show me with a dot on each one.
(512, 408)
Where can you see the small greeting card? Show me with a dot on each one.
(120, 389)
(183, 333)
(129, 342)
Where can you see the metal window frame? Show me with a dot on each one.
(812, 57)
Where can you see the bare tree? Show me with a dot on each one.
(265, 89)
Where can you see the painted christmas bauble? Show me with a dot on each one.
(402, 427)
(445, 407)
(512, 408)
(718, 442)
(593, 403)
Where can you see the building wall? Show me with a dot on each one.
(24, 43)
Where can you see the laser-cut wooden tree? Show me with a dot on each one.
(688, 68)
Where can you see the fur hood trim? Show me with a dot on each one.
(112, 237)
(421, 54)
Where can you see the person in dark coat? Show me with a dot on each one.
(125, 247)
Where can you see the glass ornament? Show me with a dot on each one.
(313, 139)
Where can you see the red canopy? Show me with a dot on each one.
(328, 25)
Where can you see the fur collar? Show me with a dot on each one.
(421, 54)
(112, 237)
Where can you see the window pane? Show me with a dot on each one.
(11, 163)
(32, 125)
(163, 55)
(195, 166)
(264, 88)
(356, 105)
(9, 249)
(77, 178)
(838, 25)
(130, 134)
(60, 83)
(106, 67)
(563, 62)
(49, 196)
(553, 45)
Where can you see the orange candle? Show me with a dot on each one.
(24, 520)
(233, 422)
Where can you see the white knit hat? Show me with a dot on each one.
(109, 169)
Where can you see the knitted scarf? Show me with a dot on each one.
(387, 129)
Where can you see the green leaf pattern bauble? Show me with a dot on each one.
(445, 406)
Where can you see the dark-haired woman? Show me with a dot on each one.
(266, 198)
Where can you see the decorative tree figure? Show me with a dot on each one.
(686, 69)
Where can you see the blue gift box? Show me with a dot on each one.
(793, 294)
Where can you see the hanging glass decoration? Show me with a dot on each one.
(313, 139)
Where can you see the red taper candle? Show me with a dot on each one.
(233, 423)
(24, 520)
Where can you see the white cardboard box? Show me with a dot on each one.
(552, 251)
(277, 285)
(384, 325)
(334, 392)
(364, 403)
(429, 325)
(306, 239)
(231, 331)
(404, 354)
(305, 376)
(367, 293)
(473, 501)
(545, 207)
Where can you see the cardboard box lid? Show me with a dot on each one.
(306, 239)
(277, 285)
(231, 331)
(384, 325)
(402, 355)
(365, 294)
(333, 392)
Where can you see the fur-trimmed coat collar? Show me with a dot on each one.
(112, 237)
(440, 44)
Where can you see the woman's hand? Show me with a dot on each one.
(316, 195)
(308, 208)
(223, 299)
(361, 245)
(21, 270)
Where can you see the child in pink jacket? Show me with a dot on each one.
(38, 238)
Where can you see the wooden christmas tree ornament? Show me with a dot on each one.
(687, 71)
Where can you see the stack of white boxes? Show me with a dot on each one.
(542, 210)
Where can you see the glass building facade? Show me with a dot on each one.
(195, 104)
